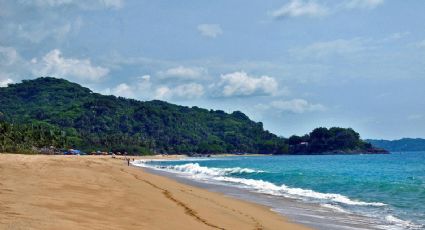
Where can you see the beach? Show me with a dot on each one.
(329, 192)
(100, 192)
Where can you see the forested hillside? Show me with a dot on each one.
(93, 121)
(55, 112)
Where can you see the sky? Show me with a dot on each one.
(294, 65)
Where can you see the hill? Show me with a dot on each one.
(50, 111)
(404, 144)
(331, 141)
(93, 121)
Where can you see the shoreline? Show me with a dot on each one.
(99, 192)
(303, 206)
(312, 215)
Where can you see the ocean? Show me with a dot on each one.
(322, 191)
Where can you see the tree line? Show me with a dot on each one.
(64, 114)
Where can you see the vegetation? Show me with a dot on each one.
(26, 138)
(404, 144)
(98, 122)
(49, 111)
(333, 140)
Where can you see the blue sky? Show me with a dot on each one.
(294, 65)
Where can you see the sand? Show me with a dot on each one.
(98, 192)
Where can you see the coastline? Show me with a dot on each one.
(242, 178)
(99, 192)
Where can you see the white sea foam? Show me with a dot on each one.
(194, 169)
(224, 175)
(328, 200)
(403, 224)
(283, 190)
(334, 207)
(197, 170)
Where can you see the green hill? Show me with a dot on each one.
(55, 112)
(92, 121)
(404, 144)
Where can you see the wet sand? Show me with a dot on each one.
(98, 192)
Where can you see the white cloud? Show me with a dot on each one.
(54, 64)
(162, 93)
(144, 83)
(123, 90)
(184, 91)
(143, 88)
(82, 4)
(297, 8)
(189, 91)
(311, 8)
(5, 82)
(140, 89)
(296, 106)
(241, 84)
(210, 30)
(37, 32)
(12, 66)
(335, 47)
(396, 36)
(363, 4)
(46, 20)
(183, 72)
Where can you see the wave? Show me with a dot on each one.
(283, 190)
(403, 224)
(225, 175)
(231, 176)
(196, 169)
(334, 207)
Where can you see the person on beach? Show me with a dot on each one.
(128, 161)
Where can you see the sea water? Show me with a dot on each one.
(323, 191)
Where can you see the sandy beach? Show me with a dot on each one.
(98, 192)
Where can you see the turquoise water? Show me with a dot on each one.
(389, 188)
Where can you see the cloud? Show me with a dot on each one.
(396, 36)
(334, 47)
(295, 106)
(340, 47)
(183, 72)
(123, 90)
(184, 91)
(311, 8)
(5, 82)
(54, 64)
(297, 8)
(12, 66)
(82, 4)
(37, 32)
(143, 88)
(163, 92)
(363, 4)
(241, 84)
(140, 88)
(210, 30)
(49, 21)
(144, 83)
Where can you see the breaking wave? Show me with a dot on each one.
(283, 190)
(196, 169)
(261, 186)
